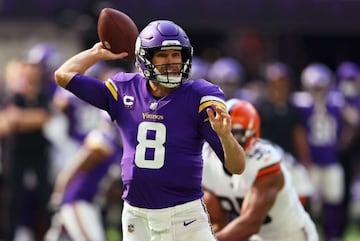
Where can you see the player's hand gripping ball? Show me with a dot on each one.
(117, 32)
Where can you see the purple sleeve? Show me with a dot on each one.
(207, 132)
(212, 138)
(90, 90)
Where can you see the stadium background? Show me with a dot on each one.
(295, 31)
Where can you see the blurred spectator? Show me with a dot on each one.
(80, 190)
(281, 122)
(321, 113)
(26, 157)
(348, 83)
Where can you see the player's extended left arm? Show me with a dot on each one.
(234, 154)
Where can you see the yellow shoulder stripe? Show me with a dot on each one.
(209, 100)
(210, 103)
(111, 86)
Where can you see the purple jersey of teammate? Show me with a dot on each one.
(162, 137)
(82, 117)
(87, 185)
(323, 125)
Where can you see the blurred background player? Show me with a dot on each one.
(348, 84)
(76, 117)
(262, 203)
(227, 73)
(49, 57)
(26, 155)
(8, 85)
(199, 68)
(321, 111)
(80, 191)
(280, 120)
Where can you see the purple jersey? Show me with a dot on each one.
(82, 117)
(323, 125)
(86, 185)
(162, 138)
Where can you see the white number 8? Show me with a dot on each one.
(157, 144)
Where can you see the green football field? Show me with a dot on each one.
(352, 233)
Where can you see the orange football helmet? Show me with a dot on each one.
(245, 122)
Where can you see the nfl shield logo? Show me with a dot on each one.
(153, 106)
(131, 228)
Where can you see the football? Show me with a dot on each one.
(117, 32)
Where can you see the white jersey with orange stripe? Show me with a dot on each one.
(218, 181)
(287, 216)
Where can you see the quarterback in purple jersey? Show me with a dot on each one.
(164, 121)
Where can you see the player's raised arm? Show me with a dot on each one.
(233, 153)
(80, 62)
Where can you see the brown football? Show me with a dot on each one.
(117, 32)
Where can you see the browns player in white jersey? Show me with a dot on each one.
(262, 203)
